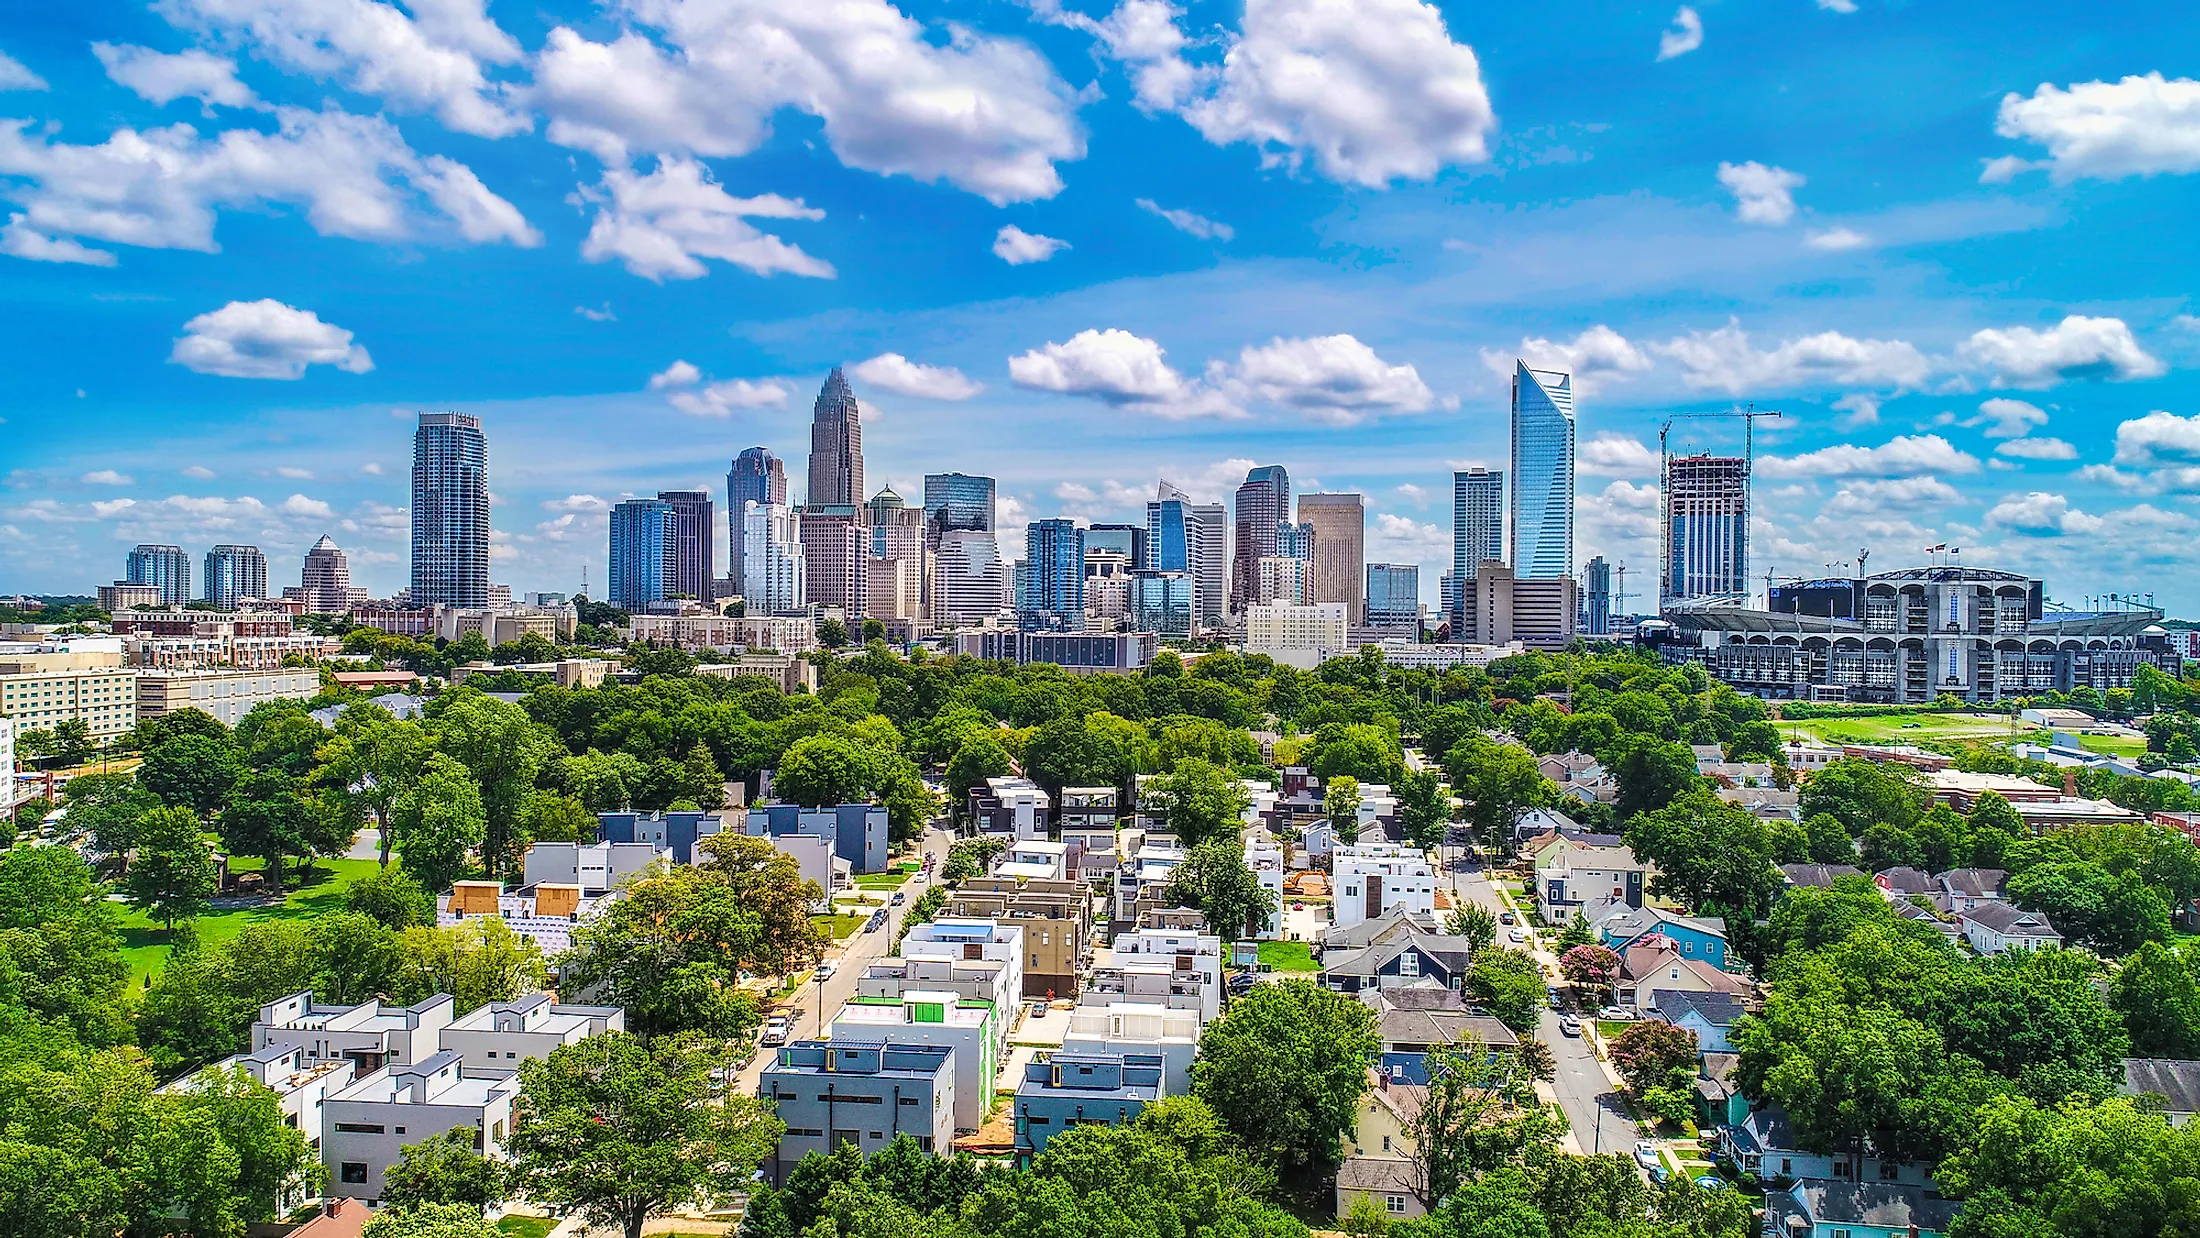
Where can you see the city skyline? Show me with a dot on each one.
(1965, 308)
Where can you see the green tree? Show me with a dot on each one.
(1284, 1071)
(832, 633)
(1860, 794)
(477, 962)
(1474, 922)
(978, 757)
(173, 873)
(1341, 804)
(1499, 784)
(446, 1169)
(504, 750)
(1479, 1113)
(1214, 878)
(1510, 985)
(438, 823)
(359, 958)
(373, 761)
(267, 818)
(193, 771)
(1424, 807)
(1707, 852)
(1651, 773)
(2081, 1171)
(2112, 912)
(429, 1221)
(549, 817)
(621, 1131)
(1200, 800)
(2159, 1001)
(822, 770)
(392, 898)
(1650, 1052)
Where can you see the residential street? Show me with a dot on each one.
(1584, 1091)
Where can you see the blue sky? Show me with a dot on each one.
(1085, 245)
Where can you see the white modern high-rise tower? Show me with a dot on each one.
(1542, 472)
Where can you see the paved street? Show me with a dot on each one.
(1584, 1091)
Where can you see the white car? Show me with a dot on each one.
(777, 1030)
(825, 971)
(1646, 1154)
(1517, 935)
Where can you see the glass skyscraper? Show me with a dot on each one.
(757, 476)
(1706, 502)
(1394, 595)
(450, 511)
(836, 446)
(165, 568)
(1542, 472)
(955, 501)
(1128, 540)
(1053, 593)
(1477, 528)
(1263, 505)
(694, 554)
(644, 551)
(234, 572)
(1183, 536)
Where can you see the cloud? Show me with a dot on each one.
(2159, 438)
(105, 477)
(2004, 418)
(1017, 247)
(1186, 222)
(1116, 367)
(1368, 93)
(1762, 194)
(1908, 455)
(1333, 377)
(2041, 515)
(295, 473)
(902, 376)
(1838, 6)
(2078, 347)
(1685, 36)
(1596, 353)
(372, 468)
(15, 76)
(197, 472)
(2140, 126)
(1143, 34)
(1862, 409)
(162, 78)
(1725, 360)
(1866, 497)
(1834, 240)
(2037, 449)
(1616, 455)
(265, 339)
(431, 60)
(597, 315)
(986, 114)
(1418, 540)
(685, 390)
(19, 240)
(354, 176)
(667, 222)
(578, 503)
(300, 505)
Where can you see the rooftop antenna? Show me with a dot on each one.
(584, 580)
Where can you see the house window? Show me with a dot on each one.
(1395, 1204)
(1409, 964)
(1787, 1167)
(1889, 1171)
(1386, 1143)
(353, 1172)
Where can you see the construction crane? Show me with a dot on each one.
(1749, 413)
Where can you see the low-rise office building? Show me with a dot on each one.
(1080, 1089)
(42, 687)
(861, 1093)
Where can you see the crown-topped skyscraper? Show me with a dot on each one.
(836, 446)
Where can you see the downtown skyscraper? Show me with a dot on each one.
(1477, 532)
(1183, 536)
(1542, 472)
(1263, 505)
(643, 552)
(234, 572)
(694, 557)
(1706, 528)
(165, 568)
(450, 511)
(836, 446)
(1340, 550)
(757, 476)
(1054, 577)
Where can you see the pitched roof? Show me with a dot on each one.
(1821, 876)
(1443, 1027)
(1974, 882)
(1888, 1205)
(1648, 955)
(1367, 932)
(1906, 881)
(1449, 953)
(1377, 1174)
(1719, 1009)
(1633, 922)
(2010, 920)
(2174, 1080)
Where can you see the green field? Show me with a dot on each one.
(145, 942)
(1288, 956)
(525, 1227)
(1946, 728)
(839, 926)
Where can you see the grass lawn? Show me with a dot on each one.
(840, 926)
(1609, 1028)
(881, 881)
(526, 1227)
(1288, 956)
(1907, 728)
(145, 942)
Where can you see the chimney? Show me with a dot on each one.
(2070, 783)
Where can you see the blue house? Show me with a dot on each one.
(1413, 1021)
(857, 831)
(1072, 1089)
(1765, 1145)
(863, 1093)
(677, 832)
(1816, 1208)
(1697, 938)
(1709, 1016)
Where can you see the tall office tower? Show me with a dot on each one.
(1054, 577)
(1107, 585)
(1283, 578)
(324, 584)
(836, 446)
(1542, 472)
(1340, 549)
(756, 476)
(1295, 541)
(1183, 536)
(972, 582)
(836, 549)
(1128, 540)
(165, 568)
(957, 501)
(1214, 564)
(1394, 595)
(694, 544)
(234, 572)
(1162, 602)
(774, 571)
(897, 536)
(1706, 502)
(1477, 530)
(1263, 504)
(450, 511)
(644, 552)
(1596, 598)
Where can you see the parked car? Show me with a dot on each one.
(1616, 1014)
(1569, 1026)
(1659, 1174)
(776, 1030)
(826, 969)
(1646, 1154)
(1517, 935)
(1506, 917)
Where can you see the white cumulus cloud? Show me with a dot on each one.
(2037, 449)
(1017, 247)
(19, 240)
(902, 376)
(1762, 194)
(1186, 222)
(105, 477)
(1725, 360)
(666, 223)
(2076, 348)
(684, 388)
(265, 339)
(2005, 418)
(2139, 126)
(14, 75)
(1332, 377)
(2158, 438)
(1111, 365)
(1685, 36)
(1908, 455)
(1834, 240)
(1616, 455)
(2041, 515)
(704, 77)
(164, 77)
(1595, 354)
